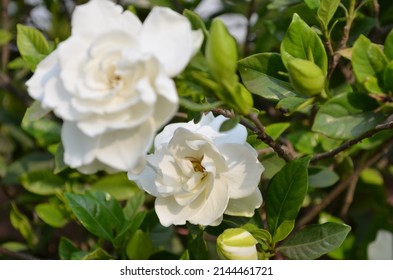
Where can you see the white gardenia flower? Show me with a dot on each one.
(110, 82)
(237, 244)
(197, 173)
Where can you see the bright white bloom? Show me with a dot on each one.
(236, 244)
(197, 173)
(111, 83)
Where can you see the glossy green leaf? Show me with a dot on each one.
(301, 41)
(140, 246)
(45, 131)
(388, 77)
(133, 205)
(313, 4)
(32, 45)
(347, 116)
(129, 228)
(292, 104)
(368, 59)
(285, 195)
(53, 214)
(229, 123)
(314, 241)
(388, 47)
(320, 177)
(117, 185)
(260, 73)
(98, 212)
(42, 182)
(66, 248)
(326, 11)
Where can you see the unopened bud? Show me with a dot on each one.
(237, 244)
(306, 77)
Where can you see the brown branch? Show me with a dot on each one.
(250, 12)
(349, 197)
(258, 128)
(344, 39)
(343, 185)
(352, 142)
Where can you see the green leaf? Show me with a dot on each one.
(42, 182)
(229, 123)
(320, 177)
(387, 77)
(326, 11)
(117, 185)
(98, 254)
(221, 54)
(66, 248)
(185, 255)
(5, 37)
(139, 247)
(303, 42)
(313, 4)
(388, 48)
(59, 159)
(260, 73)
(196, 21)
(21, 223)
(347, 116)
(133, 205)
(285, 195)
(198, 107)
(314, 241)
(129, 228)
(98, 212)
(32, 45)
(34, 113)
(53, 214)
(368, 59)
(292, 104)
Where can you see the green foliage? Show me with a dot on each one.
(314, 241)
(317, 73)
(285, 195)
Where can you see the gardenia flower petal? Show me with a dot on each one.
(111, 83)
(197, 175)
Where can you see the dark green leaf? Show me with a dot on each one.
(312, 4)
(388, 77)
(285, 195)
(347, 116)
(98, 212)
(32, 45)
(129, 228)
(292, 104)
(303, 42)
(66, 248)
(261, 74)
(133, 205)
(320, 177)
(314, 241)
(230, 123)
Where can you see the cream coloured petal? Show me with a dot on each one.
(211, 208)
(167, 100)
(169, 37)
(96, 166)
(79, 149)
(244, 206)
(97, 17)
(171, 213)
(145, 180)
(46, 70)
(167, 133)
(123, 149)
(244, 169)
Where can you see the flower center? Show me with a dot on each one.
(197, 164)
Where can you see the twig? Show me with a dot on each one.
(343, 185)
(259, 130)
(352, 142)
(349, 196)
(16, 255)
(250, 12)
(344, 38)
